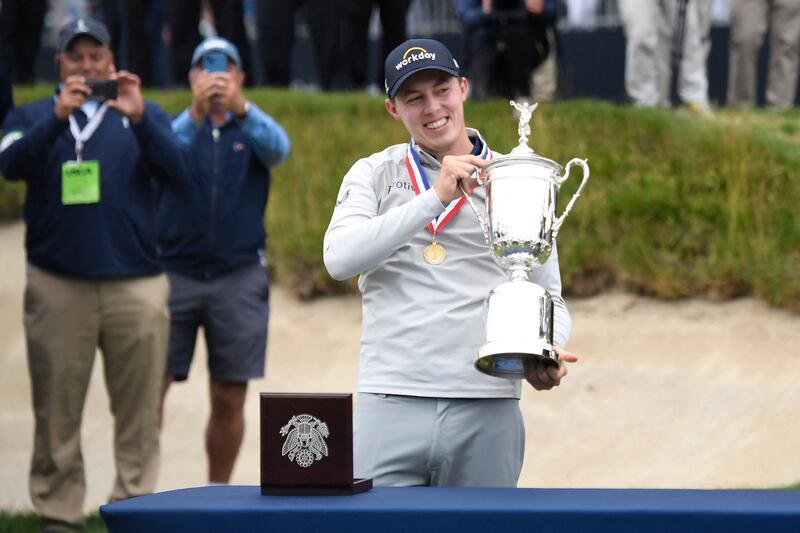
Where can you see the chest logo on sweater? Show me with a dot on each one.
(305, 440)
(238, 147)
(401, 185)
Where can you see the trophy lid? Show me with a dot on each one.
(522, 153)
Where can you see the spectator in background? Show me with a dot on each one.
(582, 13)
(6, 93)
(183, 20)
(356, 31)
(135, 29)
(748, 26)
(544, 78)
(506, 41)
(212, 242)
(21, 23)
(480, 48)
(276, 33)
(93, 278)
(650, 30)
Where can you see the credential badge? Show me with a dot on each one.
(305, 439)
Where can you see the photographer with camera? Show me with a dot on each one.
(212, 242)
(90, 157)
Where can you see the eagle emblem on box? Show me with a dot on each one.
(305, 440)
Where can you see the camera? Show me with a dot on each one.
(102, 90)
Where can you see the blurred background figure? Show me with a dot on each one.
(6, 95)
(658, 31)
(276, 34)
(544, 78)
(135, 28)
(90, 159)
(581, 13)
(358, 14)
(227, 17)
(212, 242)
(749, 20)
(505, 41)
(21, 23)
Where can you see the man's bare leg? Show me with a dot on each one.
(225, 429)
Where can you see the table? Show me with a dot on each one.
(243, 509)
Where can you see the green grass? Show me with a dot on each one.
(27, 523)
(678, 204)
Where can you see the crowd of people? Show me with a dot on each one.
(668, 43)
(509, 48)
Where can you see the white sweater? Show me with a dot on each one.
(422, 324)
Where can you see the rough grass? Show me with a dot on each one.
(678, 204)
(27, 523)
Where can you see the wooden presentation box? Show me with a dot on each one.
(307, 444)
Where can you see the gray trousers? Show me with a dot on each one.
(748, 26)
(414, 441)
(649, 26)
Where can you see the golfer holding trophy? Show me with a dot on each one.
(424, 415)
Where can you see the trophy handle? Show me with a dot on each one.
(482, 222)
(561, 180)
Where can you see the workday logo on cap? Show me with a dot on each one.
(413, 56)
(415, 53)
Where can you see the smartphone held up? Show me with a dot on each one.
(215, 62)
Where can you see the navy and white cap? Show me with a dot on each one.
(82, 26)
(413, 56)
(216, 44)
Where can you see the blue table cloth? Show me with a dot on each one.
(423, 509)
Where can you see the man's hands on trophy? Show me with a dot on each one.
(457, 171)
(545, 376)
(212, 89)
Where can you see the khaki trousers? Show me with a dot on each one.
(66, 320)
(649, 27)
(748, 26)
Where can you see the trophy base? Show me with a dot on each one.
(504, 360)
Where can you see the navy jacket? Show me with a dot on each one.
(213, 223)
(114, 238)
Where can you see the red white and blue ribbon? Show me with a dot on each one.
(419, 181)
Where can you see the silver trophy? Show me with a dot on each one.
(520, 227)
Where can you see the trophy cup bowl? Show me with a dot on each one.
(521, 226)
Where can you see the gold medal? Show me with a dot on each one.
(434, 253)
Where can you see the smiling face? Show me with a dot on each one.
(86, 57)
(430, 104)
